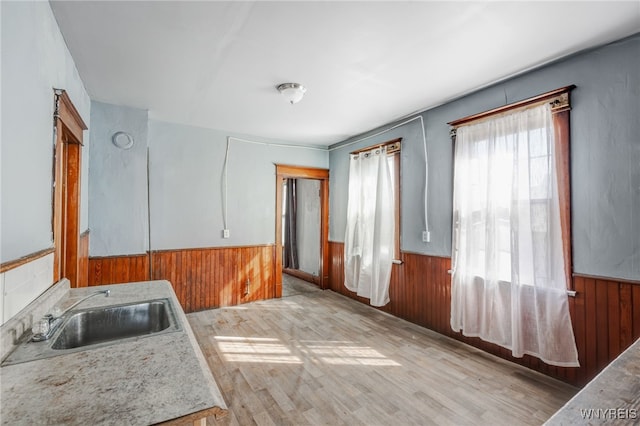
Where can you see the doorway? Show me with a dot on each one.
(310, 178)
(66, 190)
(301, 229)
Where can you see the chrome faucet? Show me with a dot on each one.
(105, 292)
(53, 322)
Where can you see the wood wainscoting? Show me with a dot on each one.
(203, 278)
(118, 269)
(605, 312)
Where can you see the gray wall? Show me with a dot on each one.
(35, 60)
(412, 169)
(185, 187)
(118, 183)
(605, 160)
(308, 225)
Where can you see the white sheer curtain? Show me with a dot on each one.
(369, 239)
(509, 282)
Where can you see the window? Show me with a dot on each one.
(372, 237)
(393, 162)
(497, 188)
(510, 263)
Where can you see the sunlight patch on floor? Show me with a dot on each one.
(255, 349)
(270, 350)
(336, 354)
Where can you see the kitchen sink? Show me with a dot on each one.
(89, 328)
(93, 326)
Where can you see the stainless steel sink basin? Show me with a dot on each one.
(112, 323)
(84, 329)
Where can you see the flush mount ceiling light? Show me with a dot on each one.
(292, 92)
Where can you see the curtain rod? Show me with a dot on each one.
(388, 143)
(559, 98)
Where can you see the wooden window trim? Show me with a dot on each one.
(393, 146)
(560, 100)
(397, 203)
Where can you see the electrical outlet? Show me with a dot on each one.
(426, 236)
(225, 233)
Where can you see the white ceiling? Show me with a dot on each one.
(216, 64)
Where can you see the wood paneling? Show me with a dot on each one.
(605, 312)
(214, 277)
(118, 269)
(202, 278)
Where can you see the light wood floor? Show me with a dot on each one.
(318, 358)
(292, 286)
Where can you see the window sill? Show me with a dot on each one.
(570, 293)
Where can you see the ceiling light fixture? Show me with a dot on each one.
(292, 92)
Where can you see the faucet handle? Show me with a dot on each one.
(56, 312)
(41, 327)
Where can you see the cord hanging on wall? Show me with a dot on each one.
(426, 234)
(122, 140)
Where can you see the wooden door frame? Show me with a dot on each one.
(296, 172)
(69, 128)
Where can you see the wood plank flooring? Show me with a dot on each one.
(292, 286)
(319, 358)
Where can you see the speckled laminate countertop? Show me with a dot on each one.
(612, 397)
(141, 381)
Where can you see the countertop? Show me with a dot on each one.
(612, 397)
(148, 380)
